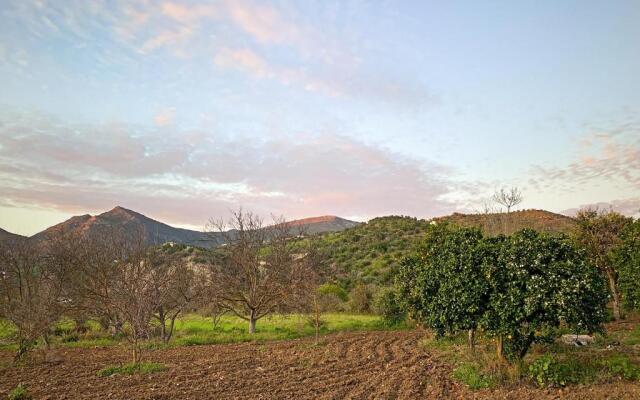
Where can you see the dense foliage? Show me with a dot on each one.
(515, 288)
(536, 282)
(627, 262)
(443, 285)
(599, 233)
(370, 253)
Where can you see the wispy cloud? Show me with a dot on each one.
(262, 40)
(611, 155)
(205, 173)
(630, 206)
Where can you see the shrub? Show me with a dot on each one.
(548, 371)
(360, 299)
(621, 365)
(469, 374)
(387, 305)
(130, 369)
(20, 392)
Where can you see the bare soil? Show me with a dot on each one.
(366, 365)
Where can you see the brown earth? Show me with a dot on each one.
(371, 365)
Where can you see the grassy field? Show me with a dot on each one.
(193, 329)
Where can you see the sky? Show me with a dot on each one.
(185, 110)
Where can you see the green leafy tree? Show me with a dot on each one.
(627, 263)
(443, 286)
(599, 233)
(536, 283)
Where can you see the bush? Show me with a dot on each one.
(20, 392)
(620, 365)
(470, 375)
(387, 305)
(130, 369)
(361, 299)
(548, 371)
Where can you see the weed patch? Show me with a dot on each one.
(471, 375)
(130, 369)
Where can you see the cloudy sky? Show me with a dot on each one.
(184, 110)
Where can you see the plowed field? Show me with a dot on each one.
(371, 365)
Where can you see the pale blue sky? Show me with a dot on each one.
(182, 110)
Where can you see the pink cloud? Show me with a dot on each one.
(97, 167)
(611, 156)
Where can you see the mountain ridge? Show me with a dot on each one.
(157, 232)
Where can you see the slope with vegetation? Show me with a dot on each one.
(370, 253)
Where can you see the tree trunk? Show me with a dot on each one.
(471, 340)
(317, 318)
(252, 322)
(611, 275)
(170, 332)
(499, 351)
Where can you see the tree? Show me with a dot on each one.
(118, 282)
(255, 273)
(175, 287)
(30, 293)
(599, 233)
(508, 198)
(537, 282)
(443, 287)
(627, 263)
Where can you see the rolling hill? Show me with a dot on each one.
(495, 223)
(370, 252)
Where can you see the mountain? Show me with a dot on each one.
(131, 222)
(323, 224)
(495, 223)
(8, 236)
(156, 232)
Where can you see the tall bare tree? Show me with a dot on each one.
(255, 273)
(599, 232)
(508, 198)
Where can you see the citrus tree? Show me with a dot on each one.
(536, 282)
(443, 286)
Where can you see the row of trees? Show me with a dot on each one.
(138, 291)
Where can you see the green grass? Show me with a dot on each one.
(470, 373)
(194, 329)
(20, 392)
(130, 369)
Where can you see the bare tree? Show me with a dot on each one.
(254, 274)
(117, 280)
(175, 288)
(30, 293)
(508, 198)
(312, 272)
